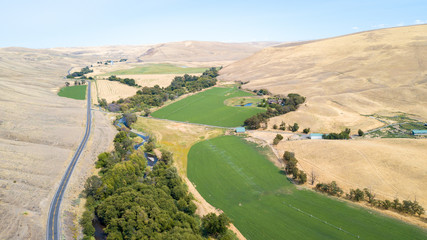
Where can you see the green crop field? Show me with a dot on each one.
(75, 92)
(208, 108)
(157, 69)
(232, 174)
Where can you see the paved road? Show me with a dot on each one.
(53, 231)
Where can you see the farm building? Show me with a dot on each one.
(419, 132)
(240, 129)
(315, 136)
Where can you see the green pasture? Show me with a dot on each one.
(243, 100)
(75, 92)
(208, 107)
(232, 174)
(158, 69)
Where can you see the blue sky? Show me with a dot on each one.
(57, 23)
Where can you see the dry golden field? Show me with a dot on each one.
(389, 167)
(111, 90)
(344, 77)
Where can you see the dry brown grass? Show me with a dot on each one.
(344, 77)
(39, 132)
(389, 167)
(176, 137)
(111, 91)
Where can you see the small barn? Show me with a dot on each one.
(315, 136)
(419, 132)
(240, 129)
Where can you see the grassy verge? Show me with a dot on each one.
(208, 107)
(232, 175)
(157, 69)
(75, 92)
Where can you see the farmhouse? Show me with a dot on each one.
(419, 132)
(315, 136)
(240, 129)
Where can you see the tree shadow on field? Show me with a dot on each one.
(283, 172)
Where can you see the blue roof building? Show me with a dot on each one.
(419, 132)
(315, 136)
(240, 129)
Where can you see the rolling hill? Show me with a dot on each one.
(382, 71)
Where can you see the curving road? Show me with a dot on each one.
(53, 230)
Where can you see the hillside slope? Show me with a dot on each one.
(39, 133)
(382, 71)
(185, 51)
(197, 51)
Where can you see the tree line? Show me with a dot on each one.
(358, 195)
(155, 96)
(275, 107)
(82, 72)
(291, 168)
(128, 81)
(133, 201)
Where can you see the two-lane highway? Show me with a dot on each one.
(53, 230)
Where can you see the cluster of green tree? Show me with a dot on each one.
(82, 72)
(280, 106)
(291, 167)
(130, 118)
(123, 60)
(260, 92)
(342, 135)
(127, 81)
(156, 96)
(407, 206)
(330, 188)
(216, 226)
(134, 202)
(277, 139)
(103, 103)
(292, 128)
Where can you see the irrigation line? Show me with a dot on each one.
(323, 221)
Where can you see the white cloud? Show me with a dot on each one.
(420, 21)
(382, 25)
(400, 24)
(355, 28)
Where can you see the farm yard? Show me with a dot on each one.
(75, 92)
(208, 107)
(233, 175)
(111, 91)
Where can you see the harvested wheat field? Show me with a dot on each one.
(111, 91)
(389, 167)
(377, 71)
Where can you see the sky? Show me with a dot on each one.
(58, 23)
